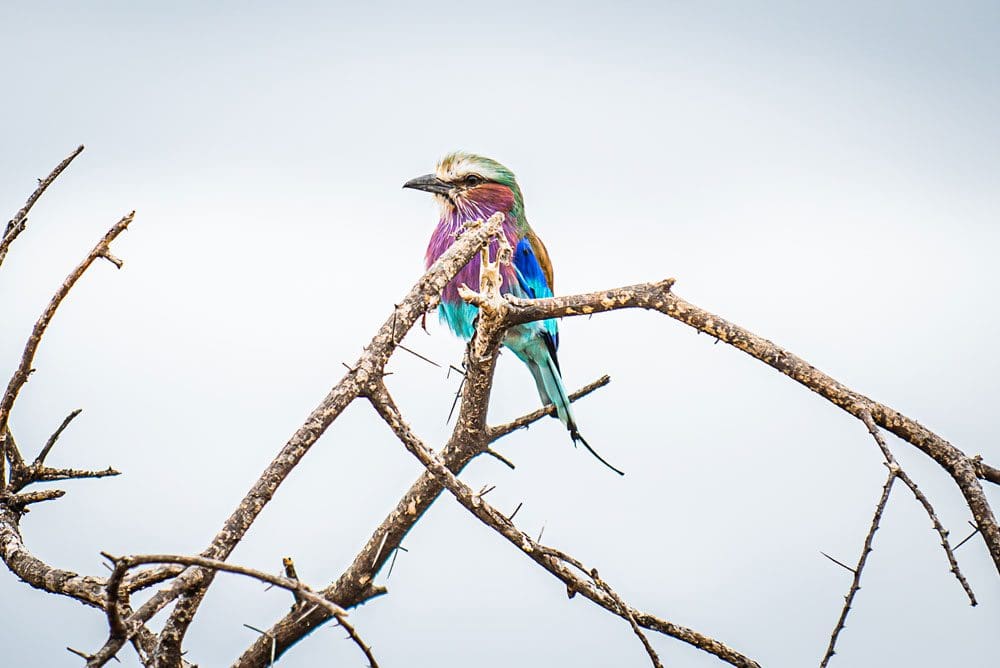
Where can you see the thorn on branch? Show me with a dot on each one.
(416, 354)
(378, 552)
(839, 563)
(458, 395)
(82, 655)
(967, 538)
(392, 564)
(862, 560)
(897, 471)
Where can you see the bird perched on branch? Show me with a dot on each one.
(470, 187)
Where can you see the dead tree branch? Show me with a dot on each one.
(893, 465)
(20, 376)
(354, 586)
(187, 578)
(857, 570)
(123, 564)
(40, 459)
(964, 470)
(17, 224)
(551, 560)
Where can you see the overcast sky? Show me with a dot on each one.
(823, 174)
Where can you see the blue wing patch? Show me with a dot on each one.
(534, 285)
(529, 272)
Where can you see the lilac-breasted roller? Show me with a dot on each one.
(470, 187)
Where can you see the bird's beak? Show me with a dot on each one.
(430, 183)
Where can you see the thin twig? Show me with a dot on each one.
(866, 417)
(496, 455)
(40, 459)
(17, 224)
(862, 560)
(498, 432)
(20, 376)
(627, 612)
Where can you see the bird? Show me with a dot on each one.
(471, 187)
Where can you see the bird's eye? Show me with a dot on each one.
(473, 180)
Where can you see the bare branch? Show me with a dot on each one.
(46, 474)
(474, 503)
(38, 574)
(123, 564)
(964, 470)
(40, 459)
(893, 465)
(498, 432)
(17, 224)
(20, 376)
(354, 586)
(862, 560)
(19, 501)
(628, 616)
(985, 471)
(470, 438)
(151, 577)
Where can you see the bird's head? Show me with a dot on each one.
(471, 186)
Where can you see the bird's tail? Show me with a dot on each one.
(545, 370)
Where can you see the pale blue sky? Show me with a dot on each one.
(824, 174)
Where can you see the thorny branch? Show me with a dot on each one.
(893, 465)
(862, 560)
(964, 470)
(549, 559)
(354, 587)
(895, 471)
(189, 577)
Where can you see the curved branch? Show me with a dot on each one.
(964, 470)
(301, 591)
(20, 376)
(84, 588)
